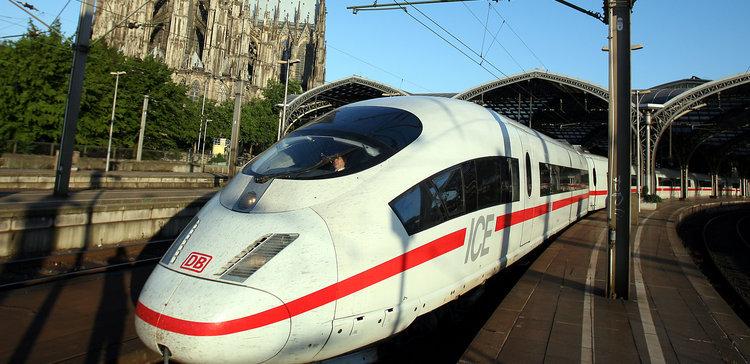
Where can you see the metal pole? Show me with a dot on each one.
(638, 171)
(73, 106)
(682, 182)
(203, 145)
(531, 109)
(649, 166)
(200, 132)
(143, 128)
(282, 122)
(200, 123)
(670, 142)
(235, 127)
(112, 120)
(619, 58)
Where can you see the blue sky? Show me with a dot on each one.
(681, 38)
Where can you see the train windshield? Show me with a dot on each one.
(345, 141)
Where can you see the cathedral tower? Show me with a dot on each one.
(208, 44)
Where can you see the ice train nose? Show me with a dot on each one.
(202, 321)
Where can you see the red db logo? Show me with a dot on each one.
(196, 262)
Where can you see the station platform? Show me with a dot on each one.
(36, 224)
(44, 199)
(557, 312)
(44, 179)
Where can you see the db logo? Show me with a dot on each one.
(196, 262)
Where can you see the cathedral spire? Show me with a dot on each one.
(297, 13)
(277, 11)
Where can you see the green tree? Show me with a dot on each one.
(34, 74)
(260, 117)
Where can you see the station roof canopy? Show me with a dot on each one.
(322, 99)
(562, 107)
(699, 123)
(700, 118)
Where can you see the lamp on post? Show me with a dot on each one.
(638, 164)
(203, 145)
(650, 182)
(112, 120)
(288, 63)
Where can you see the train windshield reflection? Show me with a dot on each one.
(311, 157)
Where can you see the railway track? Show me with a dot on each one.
(724, 237)
(26, 272)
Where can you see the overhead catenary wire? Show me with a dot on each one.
(519, 38)
(486, 21)
(505, 21)
(519, 86)
(329, 45)
(13, 23)
(495, 37)
(479, 63)
(451, 35)
(169, 33)
(124, 19)
(450, 44)
(483, 60)
(31, 14)
(61, 11)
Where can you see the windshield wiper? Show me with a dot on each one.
(266, 178)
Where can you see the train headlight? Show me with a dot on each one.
(247, 201)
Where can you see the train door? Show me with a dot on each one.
(527, 191)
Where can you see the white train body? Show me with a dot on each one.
(297, 269)
(669, 185)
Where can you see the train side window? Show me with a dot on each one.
(419, 208)
(450, 189)
(433, 213)
(470, 185)
(573, 179)
(514, 180)
(489, 188)
(545, 188)
(408, 208)
(528, 174)
(567, 179)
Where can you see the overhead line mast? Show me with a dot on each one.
(618, 217)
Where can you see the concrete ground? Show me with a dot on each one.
(558, 312)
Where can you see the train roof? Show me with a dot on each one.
(455, 113)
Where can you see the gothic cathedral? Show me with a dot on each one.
(210, 44)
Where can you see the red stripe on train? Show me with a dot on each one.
(311, 301)
(345, 287)
(507, 220)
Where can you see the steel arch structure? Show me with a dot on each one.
(536, 74)
(685, 103)
(329, 96)
(560, 106)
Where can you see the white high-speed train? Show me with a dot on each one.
(352, 226)
(669, 185)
